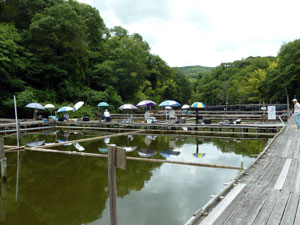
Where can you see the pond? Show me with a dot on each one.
(51, 188)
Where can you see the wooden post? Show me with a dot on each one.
(111, 159)
(3, 161)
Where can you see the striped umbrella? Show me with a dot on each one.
(198, 105)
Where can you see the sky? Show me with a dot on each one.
(205, 32)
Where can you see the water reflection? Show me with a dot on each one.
(66, 189)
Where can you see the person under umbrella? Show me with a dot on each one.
(198, 105)
(35, 106)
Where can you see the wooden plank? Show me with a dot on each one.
(281, 179)
(217, 211)
(296, 184)
(292, 149)
(278, 209)
(286, 148)
(296, 151)
(291, 210)
(265, 212)
(291, 176)
(249, 208)
(297, 219)
(231, 209)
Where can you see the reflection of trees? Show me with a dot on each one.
(245, 147)
(60, 189)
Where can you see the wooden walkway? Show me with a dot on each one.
(268, 193)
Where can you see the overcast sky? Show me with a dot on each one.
(205, 32)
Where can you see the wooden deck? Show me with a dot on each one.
(269, 191)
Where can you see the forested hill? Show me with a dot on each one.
(61, 52)
(194, 71)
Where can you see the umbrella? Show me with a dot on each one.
(198, 105)
(146, 152)
(35, 143)
(185, 107)
(168, 107)
(129, 148)
(78, 105)
(171, 103)
(100, 104)
(167, 154)
(127, 106)
(65, 109)
(34, 106)
(49, 106)
(78, 147)
(146, 103)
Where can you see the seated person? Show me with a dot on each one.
(172, 115)
(147, 115)
(107, 116)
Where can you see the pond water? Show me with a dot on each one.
(50, 188)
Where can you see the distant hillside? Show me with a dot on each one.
(193, 71)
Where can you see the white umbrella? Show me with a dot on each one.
(127, 106)
(49, 106)
(78, 105)
(185, 107)
(78, 146)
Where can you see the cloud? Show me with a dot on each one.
(198, 32)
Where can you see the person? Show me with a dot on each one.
(147, 116)
(297, 112)
(107, 115)
(66, 116)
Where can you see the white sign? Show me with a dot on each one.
(271, 113)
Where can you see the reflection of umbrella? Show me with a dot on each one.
(64, 140)
(198, 105)
(185, 107)
(199, 155)
(167, 154)
(129, 148)
(49, 106)
(146, 103)
(100, 104)
(35, 143)
(78, 105)
(106, 140)
(65, 109)
(102, 150)
(34, 106)
(146, 152)
(127, 106)
(78, 146)
(171, 103)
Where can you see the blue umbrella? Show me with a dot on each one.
(65, 109)
(170, 103)
(100, 104)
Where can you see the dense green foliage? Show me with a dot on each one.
(194, 71)
(61, 52)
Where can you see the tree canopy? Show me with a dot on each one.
(61, 51)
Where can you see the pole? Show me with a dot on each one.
(111, 159)
(16, 115)
(288, 103)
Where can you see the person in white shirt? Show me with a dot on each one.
(297, 112)
(107, 116)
